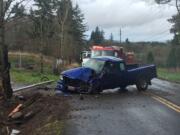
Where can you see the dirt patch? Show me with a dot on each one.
(49, 113)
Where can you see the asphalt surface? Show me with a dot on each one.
(155, 112)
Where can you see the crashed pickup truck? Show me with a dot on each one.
(105, 72)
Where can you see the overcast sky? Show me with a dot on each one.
(138, 19)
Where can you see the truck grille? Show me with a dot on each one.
(71, 82)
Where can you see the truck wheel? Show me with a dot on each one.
(93, 88)
(142, 84)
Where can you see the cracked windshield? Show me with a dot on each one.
(89, 67)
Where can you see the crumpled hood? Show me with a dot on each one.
(81, 73)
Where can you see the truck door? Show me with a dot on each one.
(110, 75)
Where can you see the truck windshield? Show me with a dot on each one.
(96, 53)
(107, 53)
(94, 64)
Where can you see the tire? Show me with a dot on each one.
(142, 84)
(93, 88)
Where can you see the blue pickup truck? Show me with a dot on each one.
(105, 72)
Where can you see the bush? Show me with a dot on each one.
(150, 57)
(173, 60)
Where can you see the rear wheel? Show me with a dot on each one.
(142, 84)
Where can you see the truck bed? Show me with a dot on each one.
(147, 71)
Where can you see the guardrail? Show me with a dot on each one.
(32, 86)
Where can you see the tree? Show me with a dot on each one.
(127, 41)
(175, 41)
(174, 55)
(8, 10)
(43, 26)
(111, 38)
(92, 37)
(175, 20)
(168, 1)
(71, 30)
(172, 60)
(97, 36)
(178, 56)
(63, 12)
(150, 57)
(78, 30)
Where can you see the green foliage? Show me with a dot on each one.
(178, 56)
(150, 57)
(171, 60)
(175, 20)
(169, 75)
(72, 28)
(97, 36)
(175, 40)
(30, 77)
(42, 17)
(58, 25)
(111, 38)
(127, 41)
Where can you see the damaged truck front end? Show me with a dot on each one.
(83, 79)
(75, 80)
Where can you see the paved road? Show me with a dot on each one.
(155, 112)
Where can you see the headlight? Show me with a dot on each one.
(61, 77)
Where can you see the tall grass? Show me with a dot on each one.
(169, 75)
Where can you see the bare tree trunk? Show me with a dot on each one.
(177, 7)
(62, 20)
(41, 50)
(5, 69)
(42, 64)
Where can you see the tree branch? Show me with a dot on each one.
(177, 7)
(11, 10)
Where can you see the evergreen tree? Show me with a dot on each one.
(92, 36)
(111, 38)
(127, 41)
(175, 20)
(43, 26)
(171, 60)
(71, 29)
(78, 28)
(175, 40)
(97, 36)
(150, 57)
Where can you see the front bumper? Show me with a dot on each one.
(70, 85)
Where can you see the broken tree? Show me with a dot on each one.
(9, 10)
(5, 65)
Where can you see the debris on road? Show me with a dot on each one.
(28, 113)
(20, 97)
(16, 115)
(15, 132)
(15, 110)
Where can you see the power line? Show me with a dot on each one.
(157, 35)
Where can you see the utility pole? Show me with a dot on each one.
(120, 35)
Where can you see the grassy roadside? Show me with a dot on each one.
(30, 77)
(169, 75)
